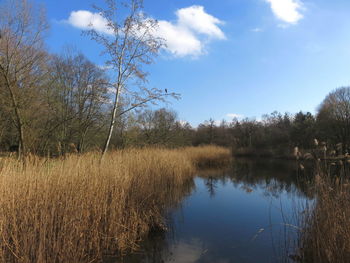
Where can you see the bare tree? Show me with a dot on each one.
(76, 98)
(129, 42)
(22, 60)
(159, 127)
(334, 116)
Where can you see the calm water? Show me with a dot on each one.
(240, 215)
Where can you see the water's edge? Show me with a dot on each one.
(243, 214)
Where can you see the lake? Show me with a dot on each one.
(247, 213)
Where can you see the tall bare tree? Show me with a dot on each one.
(77, 97)
(129, 42)
(334, 116)
(22, 60)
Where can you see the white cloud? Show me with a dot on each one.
(234, 115)
(180, 41)
(187, 252)
(183, 122)
(195, 18)
(217, 122)
(87, 20)
(187, 36)
(104, 67)
(191, 32)
(289, 11)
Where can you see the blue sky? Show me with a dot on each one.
(233, 57)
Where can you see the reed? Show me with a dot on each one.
(78, 209)
(325, 235)
(208, 156)
(325, 232)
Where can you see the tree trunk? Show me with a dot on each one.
(21, 146)
(20, 129)
(82, 136)
(113, 119)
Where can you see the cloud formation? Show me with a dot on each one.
(195, 18)
(187, 36)
(86, 20)
(190, 33)
(289, 11)
(234, 115)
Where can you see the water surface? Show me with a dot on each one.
(245, 214)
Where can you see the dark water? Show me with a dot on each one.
(245, 214)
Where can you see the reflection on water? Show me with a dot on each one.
(244, 214)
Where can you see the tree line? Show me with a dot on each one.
(59, 103)
(277, 134)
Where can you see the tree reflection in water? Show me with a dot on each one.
(274, 176)
(227, 192)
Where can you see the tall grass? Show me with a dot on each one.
(208, 156)
(78, 209)
(325, 235)
(325, 224)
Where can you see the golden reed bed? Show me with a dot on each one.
(325, 233)
(78, 209)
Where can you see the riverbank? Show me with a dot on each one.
(282, 154)
(78, 209)
(248, 152)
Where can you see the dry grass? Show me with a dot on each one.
(208, 156)
(78, 209)
(324, 235)
(326, 226)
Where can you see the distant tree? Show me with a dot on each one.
(277, 129)
(210, 124)
(303, 130)
(22, 63)
(223, 134)
(129, 44)
(333, 116)
(161, 127)
(77, 98)
(249, 128)
(206, 132)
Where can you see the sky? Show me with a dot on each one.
(231, 58)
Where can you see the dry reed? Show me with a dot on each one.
(208, 156)
(325, 235)
(78, 209)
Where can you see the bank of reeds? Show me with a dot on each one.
(325, 235)
(78, 209)
(208, 156)
(325, 224)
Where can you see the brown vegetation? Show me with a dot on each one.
(325, 232)
(208, 156)
(78, 209)
(325, 235)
